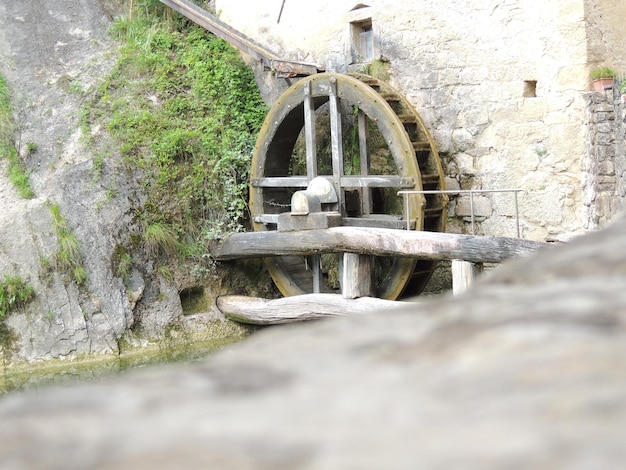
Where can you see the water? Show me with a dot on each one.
(31, 376)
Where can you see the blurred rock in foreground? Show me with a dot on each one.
(525, 370)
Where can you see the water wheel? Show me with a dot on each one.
(369, 142)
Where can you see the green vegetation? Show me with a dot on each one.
(602, 72)
(69, 257)
(16, 170)
(160, 239)
(379, 69)
(122, 264)
(185, 112)
(14, 293)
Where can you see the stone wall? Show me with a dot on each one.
(499, 83)
(620, 152)
(603, 164)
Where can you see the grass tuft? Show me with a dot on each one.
(14, 293)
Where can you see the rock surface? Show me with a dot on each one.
(53, 55)
(50, 54)
(527, 369)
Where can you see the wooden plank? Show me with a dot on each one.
(421, 146)
(463, 275)
(375, 241)
(356, 276)
(257, 311)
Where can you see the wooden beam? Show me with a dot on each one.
(239, 40)
(375, 241)
(257, 311)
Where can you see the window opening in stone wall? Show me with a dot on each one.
(362, 41)
(530, 88)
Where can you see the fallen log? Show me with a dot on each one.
(375, 241)
(258, 311)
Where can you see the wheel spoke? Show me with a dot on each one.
(309, 132)
(366, 203)
(336, 144)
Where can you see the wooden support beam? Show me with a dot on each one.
(239, 40)
(356, 276)
(463, 274)
(257, 311)
(375, 241)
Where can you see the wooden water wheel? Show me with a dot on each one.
(369, 142)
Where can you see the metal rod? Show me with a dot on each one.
(316, 268)
(280, 13)
(406, 192)
(517, 215)
(472, 210)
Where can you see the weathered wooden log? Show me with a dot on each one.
(257, 311)
(375, 241)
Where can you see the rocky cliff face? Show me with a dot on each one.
(51, 53)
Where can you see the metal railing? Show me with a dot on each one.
(471, 192)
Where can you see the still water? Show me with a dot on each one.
(15, 378)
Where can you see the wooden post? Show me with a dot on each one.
(309, 133)
(356, 276)
(336, 141)
(463, 274)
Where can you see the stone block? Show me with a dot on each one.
(481, 205)
(288, 222)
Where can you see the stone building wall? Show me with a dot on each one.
(604, 165)
(620, 154)
(620, 162)
(500, 83)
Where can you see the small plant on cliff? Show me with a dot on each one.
(17, 173)
(14, 293)
(69, 257)
(160, 239)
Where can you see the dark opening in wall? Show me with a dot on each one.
(362, 41)
(530, 88)
(193, 300)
